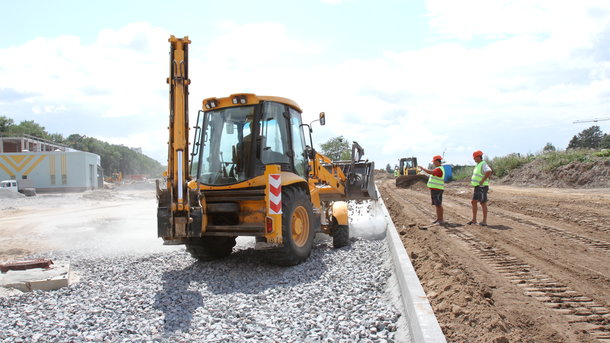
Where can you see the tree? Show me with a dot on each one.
(114, 158)
(30, 127)
(605, 143)
(549, 147)
(337, 148)
(590, 138)
(57, 138)
(388, 168)
(6, 124)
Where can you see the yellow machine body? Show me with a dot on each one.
(211, 197)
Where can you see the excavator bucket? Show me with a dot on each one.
(408, 181)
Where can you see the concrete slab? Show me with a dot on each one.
(423, 324)
(38, 278)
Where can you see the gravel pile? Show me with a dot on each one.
(8, 194)
(337, 295)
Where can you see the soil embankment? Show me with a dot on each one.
(538, 273)
(594, 174)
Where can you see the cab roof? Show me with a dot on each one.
(241, 99)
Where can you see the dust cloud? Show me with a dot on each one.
(366, 219)
(98, 222)
(127, 225)
(116, 222)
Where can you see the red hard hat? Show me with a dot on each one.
(477, 153)
(437, 157)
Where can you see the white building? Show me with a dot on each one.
(48, 166)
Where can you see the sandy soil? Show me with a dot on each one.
(540, 272)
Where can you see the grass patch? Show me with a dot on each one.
(603, 153)
(462, 172)
(546, 162)
(556, 159)
(502, 165)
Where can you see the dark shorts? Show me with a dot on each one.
(437, 196)
(480, 193)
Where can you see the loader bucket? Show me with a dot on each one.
(407, 181)
(361, 182)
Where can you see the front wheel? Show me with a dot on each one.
(297, 228)
(340, 234)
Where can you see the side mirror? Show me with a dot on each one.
(322, 118)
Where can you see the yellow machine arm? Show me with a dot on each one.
(174, 211)
(342, 180)
(323, 171)
(178, 160)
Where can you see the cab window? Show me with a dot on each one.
(273, 133)
(298, 143)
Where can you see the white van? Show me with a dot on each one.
(24, 187)
(11, 185)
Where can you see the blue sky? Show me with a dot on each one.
(403, 78)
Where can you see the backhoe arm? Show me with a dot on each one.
(174, 210)
(323, 171)
(178, 161)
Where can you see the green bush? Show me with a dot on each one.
(502, 165)
(603, 153)
(554, 160)
(462, 172)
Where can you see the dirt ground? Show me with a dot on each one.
(103, 221)
(540, 272)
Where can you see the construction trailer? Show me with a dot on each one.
(73, 171)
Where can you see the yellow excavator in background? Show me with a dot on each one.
(117, 177)
(251, 173)
(408, 173)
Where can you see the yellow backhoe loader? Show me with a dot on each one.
(408, 173)
(251, 173)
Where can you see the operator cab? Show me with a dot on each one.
(241, 134)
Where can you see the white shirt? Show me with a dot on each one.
(485, 168)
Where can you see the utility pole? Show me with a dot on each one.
(592, 120)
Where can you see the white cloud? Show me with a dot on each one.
(110, 74)
(572, 20)
(527, 72)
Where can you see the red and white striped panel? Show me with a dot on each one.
(275, 193)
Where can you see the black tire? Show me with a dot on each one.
(297, 228)
(340, 234)
(210, 248)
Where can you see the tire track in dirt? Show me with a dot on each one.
(450, 207)
(581, 311)
(558, 232)
(592, 317)
(594, 217)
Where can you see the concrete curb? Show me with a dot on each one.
(423, 326)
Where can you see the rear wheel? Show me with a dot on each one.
(210, 248)
(297, 228)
